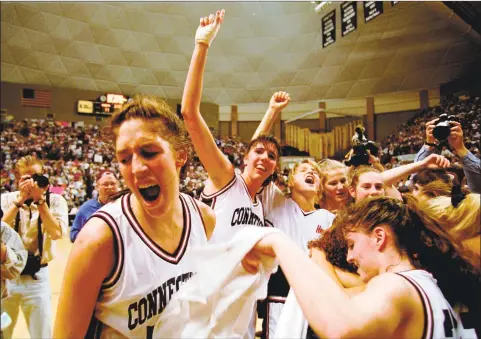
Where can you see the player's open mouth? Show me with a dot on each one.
(309, 180)
(150, 193)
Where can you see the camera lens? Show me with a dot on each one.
(441, 131)
(41, 180)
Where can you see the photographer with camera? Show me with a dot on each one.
(448, 130)
(363, 151)
(39, 217)
(362, 157)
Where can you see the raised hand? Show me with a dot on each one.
(279, 101)
(208, 28)
(429, 131)
(456, 137)
(25, 186)
(436, 161)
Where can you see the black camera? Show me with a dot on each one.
(41, 180)
(360, 147)
(442, 130)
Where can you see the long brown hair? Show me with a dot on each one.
(427, 245)
(334, 246)
(463, 221)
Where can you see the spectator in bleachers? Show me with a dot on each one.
(107, 185)
(410, 136)
(68, 149)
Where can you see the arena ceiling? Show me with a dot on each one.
(262, 47)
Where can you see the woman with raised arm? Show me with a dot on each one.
(338, 189)
(295, 213)
(233, 197)
(133, 253)
(415, 275)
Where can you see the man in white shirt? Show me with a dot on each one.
(29, 210)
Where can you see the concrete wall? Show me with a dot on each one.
(247, 129)
(224, 128)
(387, 123)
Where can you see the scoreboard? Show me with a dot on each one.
(104, 105)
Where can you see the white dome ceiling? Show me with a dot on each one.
(261, 48)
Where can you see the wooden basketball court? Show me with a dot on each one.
(56, 268)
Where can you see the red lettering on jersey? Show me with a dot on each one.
(319, 229)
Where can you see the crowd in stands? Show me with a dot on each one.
(69, 153)
(410, 136)
(74, 153)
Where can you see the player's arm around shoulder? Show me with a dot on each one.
(208, 215)
(90, 261)
(388, 302)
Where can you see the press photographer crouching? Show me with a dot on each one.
(40, 218)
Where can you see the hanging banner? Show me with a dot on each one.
(348, 17)
(329, 29)
(372, 9)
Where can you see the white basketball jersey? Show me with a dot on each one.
(284, 214)
(145, 276)
(233, 209)
(441, 321)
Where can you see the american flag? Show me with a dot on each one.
(36, 98)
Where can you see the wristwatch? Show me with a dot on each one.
(40, 201)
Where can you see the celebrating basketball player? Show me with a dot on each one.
(335, 193)
(294, 214)
(416, 273)
(133, 254)
(233, 196)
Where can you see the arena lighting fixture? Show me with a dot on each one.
(321, 6)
